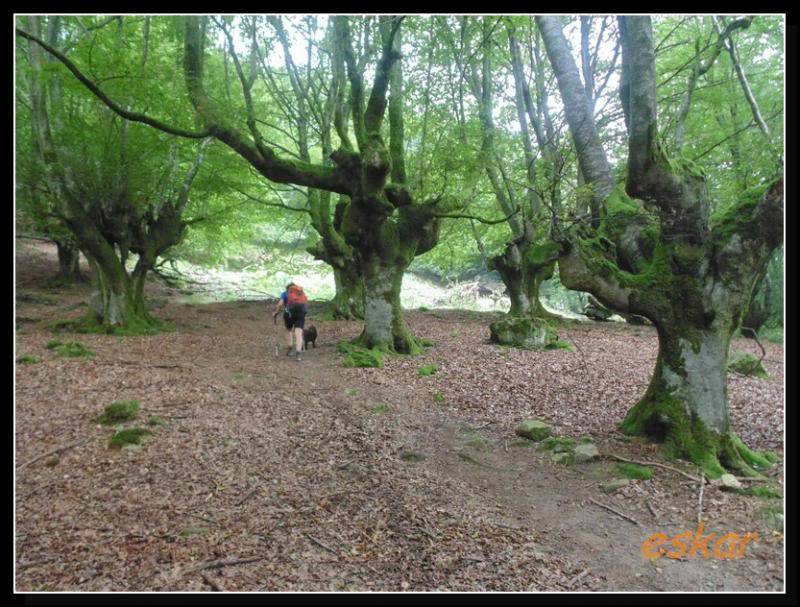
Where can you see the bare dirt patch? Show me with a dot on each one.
(269, 474)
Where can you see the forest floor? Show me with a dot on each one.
(272, 474)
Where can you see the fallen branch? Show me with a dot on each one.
(53, 452)
(630, 461)
(617, 512)
(137, 364)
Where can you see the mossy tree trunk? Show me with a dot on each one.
(69, 270)
(667, 260)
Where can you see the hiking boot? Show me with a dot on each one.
(299, 356)
(289, 351)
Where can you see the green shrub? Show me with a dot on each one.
(74, 349)
(635, 471)
(427, 370)
(130, 436)
(118, 412)
(746, 364)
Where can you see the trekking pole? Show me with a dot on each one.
(277, 345)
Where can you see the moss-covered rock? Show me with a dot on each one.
(523, 332)
(746, 364)
(357, 356)
(615, 485)
(557, 444)
(533, 430)
(119, 412)
(585, 452)
(566, 458)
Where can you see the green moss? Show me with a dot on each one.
(659, 415)
(770, 456)
(762, 492)
(54, 343)
(559, 345)
(746, 364)
(533, 430)
(135, 325)
(756, 460)
(27, 359)
(586, 439)
(542, 254)
(438, 397)
(156, 420)
(129, 436)
(190, 531)
(411, 456)
(118, 412)
(479, 444)
(382, 408)
(557, 444)
(523, 332)
(427, 370)
(732, 219)
(357, 356)
(635, 471)
(425, 343)
(74, 349)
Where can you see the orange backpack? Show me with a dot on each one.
(296, 295)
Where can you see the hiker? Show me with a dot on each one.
(293, 303)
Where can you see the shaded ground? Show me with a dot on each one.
(317, 477)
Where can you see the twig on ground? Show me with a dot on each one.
(221, 563)
(652, 510)
(577, 578)
(53, 452)
(630, 461)
(617, 512)
(321, 544)
(248, 496)
(214, 583)
(700, 498)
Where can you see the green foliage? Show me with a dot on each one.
(635, 471)
(27, 359)
(760, 491)
(382, 408)
(129, 437)
(559, 345)
(118, 412)
(427, 370)
(746, 364)
(438, 397)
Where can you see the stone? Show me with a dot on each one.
(729, 481)
(586, 452)
(615, 485)
(533, 430)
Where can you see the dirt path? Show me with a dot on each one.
(342, 479)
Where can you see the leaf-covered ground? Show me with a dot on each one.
(270, 474)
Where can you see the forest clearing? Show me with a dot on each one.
(357, 479)
(399, 303)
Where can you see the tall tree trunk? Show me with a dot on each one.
(384, 326)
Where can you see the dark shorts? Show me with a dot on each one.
(294, 317)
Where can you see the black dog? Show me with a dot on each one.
(309, 335)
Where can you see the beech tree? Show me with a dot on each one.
(657, 251)
(99, 197)
(384, 223)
